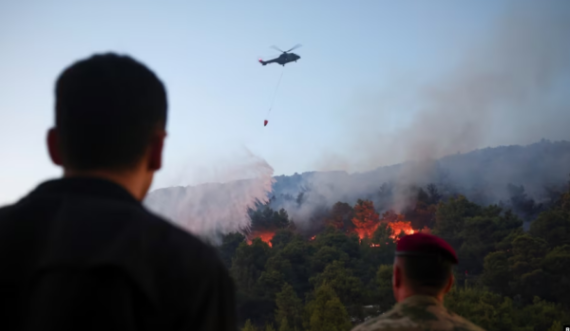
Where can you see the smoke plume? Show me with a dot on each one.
(510, 87)
(221, 207)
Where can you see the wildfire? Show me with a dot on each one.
(265, 236)
(399, 227)
(374, 245)
(313, 238)
(366, 232)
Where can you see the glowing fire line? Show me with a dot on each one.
(265, 236)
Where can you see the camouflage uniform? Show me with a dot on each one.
(418, 313)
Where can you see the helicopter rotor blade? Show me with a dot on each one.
(277, 48)
(294, 48)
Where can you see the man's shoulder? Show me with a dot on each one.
(393, 318)
(106, 220)
(423, 318)
(178, 242)
(462, 324)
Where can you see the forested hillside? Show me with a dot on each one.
(338, 273)
(319, 250)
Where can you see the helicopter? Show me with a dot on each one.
(284, 58)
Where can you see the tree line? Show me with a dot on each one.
(507, 278)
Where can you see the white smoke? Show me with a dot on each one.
(509, 87)
(215, 208)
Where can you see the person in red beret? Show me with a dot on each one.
(422, 276)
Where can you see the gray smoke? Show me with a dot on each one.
(216, 208)
(511, 87)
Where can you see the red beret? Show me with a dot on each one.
(425, 244)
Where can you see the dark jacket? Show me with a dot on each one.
(83, 254)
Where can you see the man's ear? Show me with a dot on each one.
(53, 146)
(397, 277)
(449, 284)
(156, 148)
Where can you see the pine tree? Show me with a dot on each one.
(248, 326)
(326, 312)
(284, 325)
(556, 325)
(289, 308)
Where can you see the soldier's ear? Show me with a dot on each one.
(449, 284)
(397, 277)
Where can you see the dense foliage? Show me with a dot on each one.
(507, 279)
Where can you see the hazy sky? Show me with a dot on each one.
(206, 53)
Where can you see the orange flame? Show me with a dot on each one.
(399, 227)
(366, 232)
(265, 236)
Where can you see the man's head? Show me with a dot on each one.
(110, 117)
(423, 265)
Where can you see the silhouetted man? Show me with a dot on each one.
(81, 252)
(422, 276)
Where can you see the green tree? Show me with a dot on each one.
(331, 237)
(269, 283)
(375, 252)
(557, 265)
(249, 263)
(553, 226)
(486, 309)
(326, 312)
(497, 275)
(268, 219)
(282, 238)
(289, 313)
(325, 256)
(348, 287)
(248, 326)
(269, 327)
(556, 325)
(450, 218)
(284, 326)
(294, 262)
(230, 243)
(384, 282)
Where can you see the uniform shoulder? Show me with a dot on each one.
(462, 324)
(393, 318)
(418, 317)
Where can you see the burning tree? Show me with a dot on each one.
(365, 219)
(341, 216)
(398, 224)
(265, 222)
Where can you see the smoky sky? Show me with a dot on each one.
(512, 86)
(221, 206)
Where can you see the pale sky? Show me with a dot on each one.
(206, 53)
